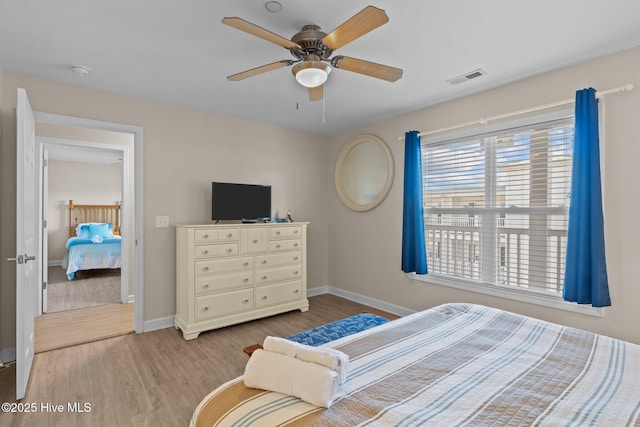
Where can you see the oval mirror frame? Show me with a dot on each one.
(359, 150)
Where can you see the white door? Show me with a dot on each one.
(26, 241)
(44, 212)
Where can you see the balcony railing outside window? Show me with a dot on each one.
(496, 206)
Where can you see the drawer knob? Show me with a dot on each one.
(295, 273)
(229, 250)
(277, 233)
(205, 251)
(295, 291)
(246, 300)
(295, 231)
(206, 236)
(206, 286)
(255, 240)
(229, 235)
(205, 308)
(206, 268)
(295, 258)
(264, 297)
(245, 264)
(295, 245)
(277, 246)
(245, 280)
(264, 277)
(264, 261)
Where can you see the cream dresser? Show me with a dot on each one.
(232, 273)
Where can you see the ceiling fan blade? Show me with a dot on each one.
(379, 71)
(259, 70)
(248, 27)
(361, 23)
(316, 93)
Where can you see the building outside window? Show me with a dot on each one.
(496, 205)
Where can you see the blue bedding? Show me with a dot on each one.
(338, 329)
(73, 241)
(84, 254)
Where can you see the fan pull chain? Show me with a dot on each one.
(324, 96)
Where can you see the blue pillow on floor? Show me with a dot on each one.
(338, 329)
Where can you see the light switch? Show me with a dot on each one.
(162, 222)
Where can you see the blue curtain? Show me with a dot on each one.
(585, 279)
(414, 256)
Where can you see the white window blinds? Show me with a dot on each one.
(496, 206)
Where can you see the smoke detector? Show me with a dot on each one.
(467, 76)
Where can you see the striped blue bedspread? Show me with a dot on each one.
(458, 364)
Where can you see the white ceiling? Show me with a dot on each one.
(179, 52)
(84, 154)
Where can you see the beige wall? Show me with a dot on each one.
(84, 183)
(366, 247)
(184, 150)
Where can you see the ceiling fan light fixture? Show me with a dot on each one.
(311, 73)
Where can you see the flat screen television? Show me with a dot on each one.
(247, 202)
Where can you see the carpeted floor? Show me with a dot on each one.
(89, 288)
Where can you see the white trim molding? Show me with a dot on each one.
(159, 323)
(352, 296)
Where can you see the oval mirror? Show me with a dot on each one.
(364, 172)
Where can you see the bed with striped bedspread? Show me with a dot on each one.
(457, 364)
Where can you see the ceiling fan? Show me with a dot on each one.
(313, 48)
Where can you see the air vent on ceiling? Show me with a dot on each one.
(467, 76)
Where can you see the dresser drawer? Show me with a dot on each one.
(214, 236)
(214, 266)
(278, 274)
(284, 245)
(278, 293)
(214, 251)
(274, 260)
(219, 282)
(285, 232)
(253, 240)
(216, 305)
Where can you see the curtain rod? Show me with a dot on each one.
(485, 120)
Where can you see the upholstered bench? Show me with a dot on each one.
(338, 329)
(331, 331)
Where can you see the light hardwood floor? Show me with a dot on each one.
(89, 288)
(82, 325)
(151, 379)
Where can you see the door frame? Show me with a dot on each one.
(125, 196)
(138, 238)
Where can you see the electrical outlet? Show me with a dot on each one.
(162, 222)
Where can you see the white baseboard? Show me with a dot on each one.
(352, 296)
(55, 263)
(7, 355)
(160, 323)
(168, 322)
(312, 292)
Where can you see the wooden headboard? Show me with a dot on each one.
(93, 213)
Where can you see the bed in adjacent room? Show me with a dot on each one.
(457, 364)
(94, 238)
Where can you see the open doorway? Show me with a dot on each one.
(96, 288)
(82, 181)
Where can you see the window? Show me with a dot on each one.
(496, 207)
